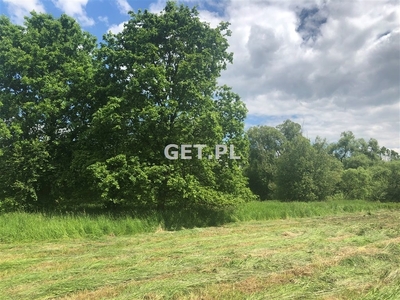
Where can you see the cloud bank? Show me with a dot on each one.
(331, 66)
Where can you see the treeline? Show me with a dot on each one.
(285, 165)
(85, 124)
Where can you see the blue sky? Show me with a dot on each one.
(331, 66)
(96, 16)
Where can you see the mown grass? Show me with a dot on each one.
(343, 256)
(20, 226)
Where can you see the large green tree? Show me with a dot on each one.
(46, 69)
(91, 124)
(158, 86)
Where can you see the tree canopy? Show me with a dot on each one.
(89, 124)
(46, 75)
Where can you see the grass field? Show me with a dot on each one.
(340, 255)
(25, 227)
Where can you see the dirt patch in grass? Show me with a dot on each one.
(340, 238)
(100, 293)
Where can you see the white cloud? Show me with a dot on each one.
(75, 8)
(18, 9)
(333, 66)
(157, 7)
(123, 6)
(117, 28)
(210, 17)
(103, 19)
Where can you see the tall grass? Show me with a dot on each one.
(20, 226)
(270, 210)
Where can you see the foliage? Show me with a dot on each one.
(393, 189)
(266, 145)
(357, 160)
(163, 90)
(45, 80)
(378, 182)
(345, 147)
(380, 176)
(283, 165)
(290, 130)
(356, 183)
(304, 173)
(86, 124)
(296, 170)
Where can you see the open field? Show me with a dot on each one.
(344, 256)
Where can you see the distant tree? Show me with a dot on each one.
(266, 145)
(357, 160)
(320, 144)
(355, 153)
(393, 189)
(380, 174)
(356, 183)
(290, 130)
(345, 147)
(370, 149)
(388, 154)
(306, 174)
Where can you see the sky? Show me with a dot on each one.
(329, 65)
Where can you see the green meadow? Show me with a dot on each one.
(41, 226)
(263, 250)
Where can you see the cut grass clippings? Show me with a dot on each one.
(344, 256)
